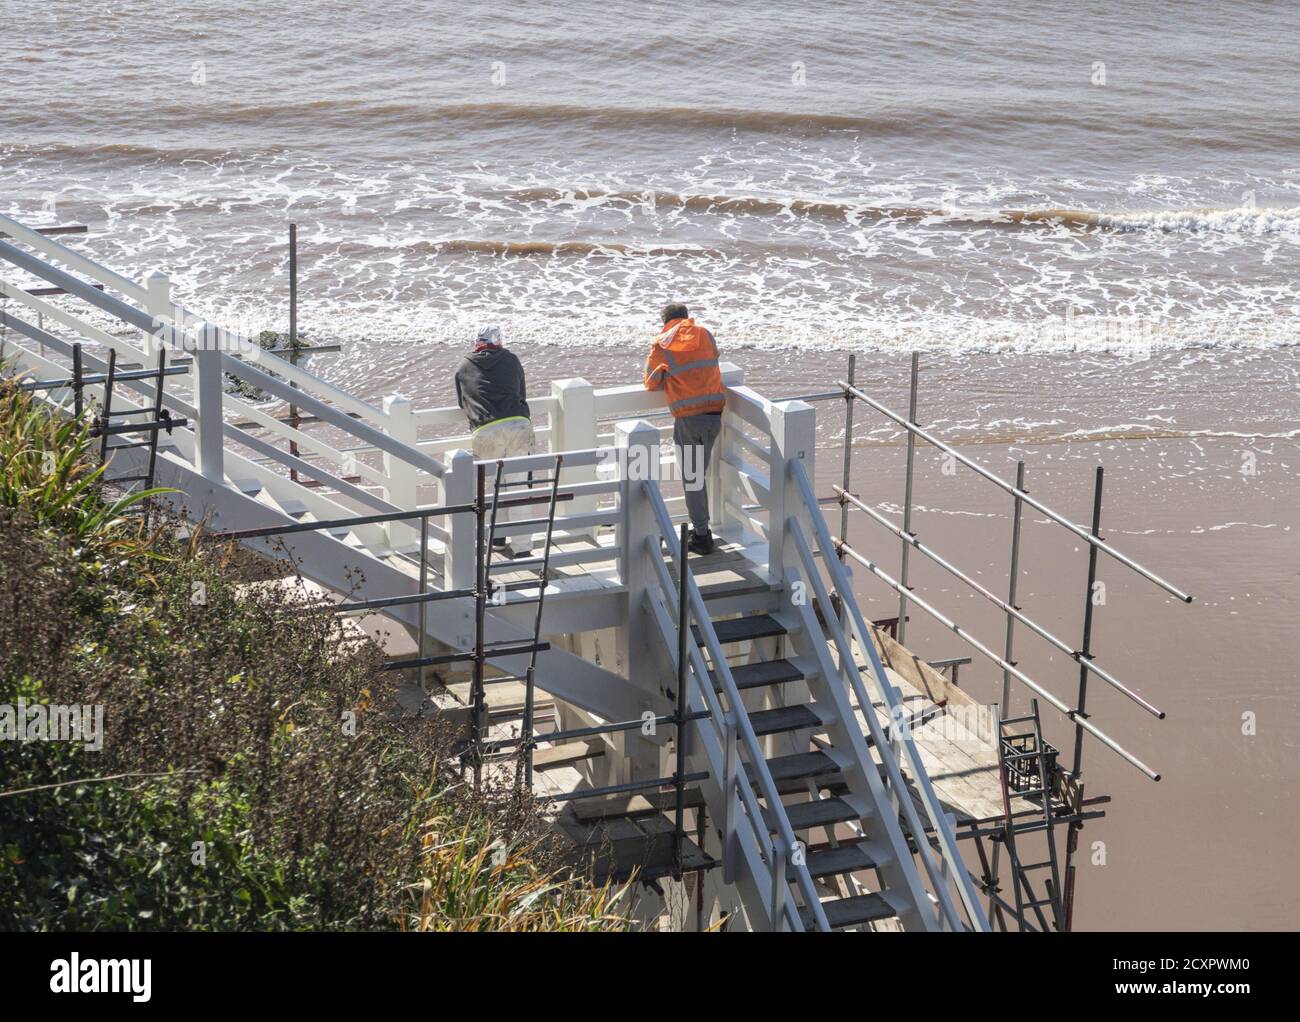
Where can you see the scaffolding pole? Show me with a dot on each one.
(907, 497)
(848, 451)
(1013, 577)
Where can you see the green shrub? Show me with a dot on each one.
(48, 471)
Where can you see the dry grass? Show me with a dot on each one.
(478, 876)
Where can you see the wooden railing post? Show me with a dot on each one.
(207, 379)
(732, 376)
(158, 303)
(794, 436)
(458, 488)
(209, 389)
(730, 798)
(637, 444)
(573, 428)
(403, 477)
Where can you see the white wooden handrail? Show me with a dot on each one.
(124, 347)
(181, 338)
(454, 415)
(897, 789)
(900, 736)
(314, 406)
(699, 611)
(51, 248)
(725, 736)
(344, 459)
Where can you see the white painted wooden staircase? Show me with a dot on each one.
(825, 817)
(788, 746)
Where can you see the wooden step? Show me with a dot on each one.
(620, 846)
(639, 804)
(567, 754)
(832, 784)
(819, 813)
(294, 508)
(769, 672)
(504, 698)
(800, 765)
(864, 908)
(784, 718)
(742, 629)
(845, 859)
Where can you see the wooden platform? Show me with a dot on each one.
(728, 571)
(961, 760)
(598, 574)
(731, 570)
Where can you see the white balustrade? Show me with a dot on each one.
(577, 417)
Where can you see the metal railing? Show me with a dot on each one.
(679, 719)
(1096, 542)
(1083, 655)
(910, 539)
(484, 510)
(485, 514)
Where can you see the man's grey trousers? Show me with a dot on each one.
(694, 436)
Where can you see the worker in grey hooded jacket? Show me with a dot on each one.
(490, 391)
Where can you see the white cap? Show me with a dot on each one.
(489, 335)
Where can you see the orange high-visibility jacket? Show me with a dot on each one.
(684, 362)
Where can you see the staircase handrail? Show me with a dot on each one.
(900, 735)
(745, 728)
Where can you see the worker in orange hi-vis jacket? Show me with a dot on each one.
(684, 363)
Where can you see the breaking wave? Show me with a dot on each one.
(1244, 219)
(578, 248)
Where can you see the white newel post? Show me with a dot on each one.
(637, 444)
(573, 428)
(158, 303)
(458, 487)
(209, 393)
(732, 376)
(638, 448)
(794, 436)
(207, 381)
(403, 477)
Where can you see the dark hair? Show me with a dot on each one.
(674, 310)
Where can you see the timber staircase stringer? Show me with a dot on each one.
(744, 863)
(879, 820)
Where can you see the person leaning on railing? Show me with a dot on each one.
(490, 391)
(684, 362)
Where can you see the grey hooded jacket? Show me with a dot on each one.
(490, 386)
